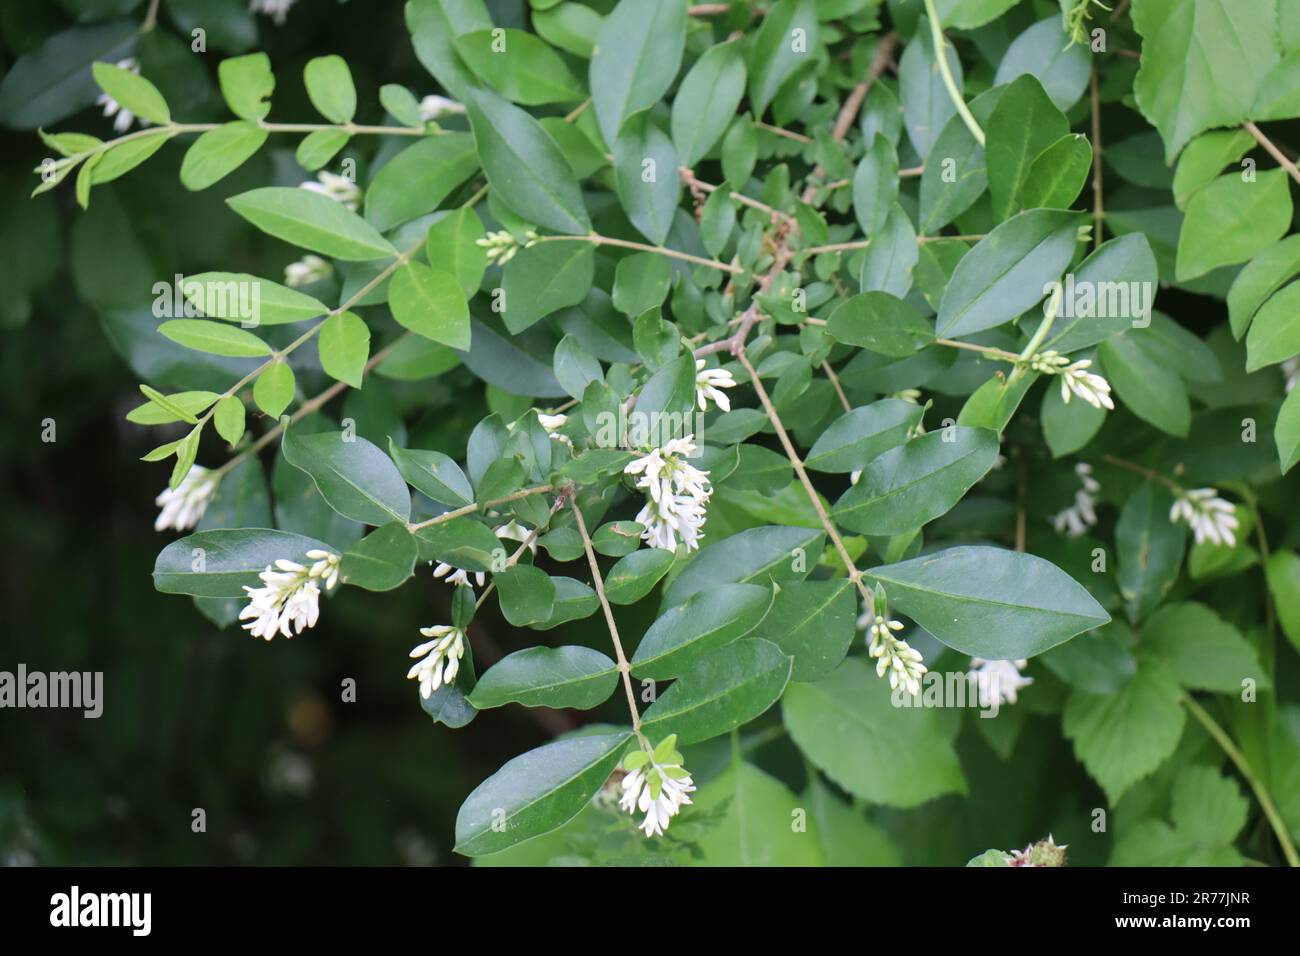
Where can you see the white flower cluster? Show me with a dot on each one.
(512, 530)
(122, 117)
(305, 271)
(339, 188)
(1075, 378)
(708, 385)
(434, 107)
(892, 655)
(677, 493)
(288, 602)
(183, 506)
(1212, 518)
(275, 9)
(552, 424)
(501, 245)
(1082, 515)
(440, 658)
(999, 682)
(656, 784)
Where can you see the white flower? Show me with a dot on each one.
(275, 9)
(183, 506)
(708, 381)
(677, 495)
(455, 575)
(552, 425)
(288, 602)
(1291, 370)
(501, 245)
(999, 681)
(305, 271)
(440, 658)
(512, 530)
(339, 188)
(657, 785)
(1211, 517)
(893, 656)
(124, 117)
(1082, 515)
(1075, 378)
(433, 107)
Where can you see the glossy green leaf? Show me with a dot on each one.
(576, 677)
(313, 221)
(355, 478)
(220, 563)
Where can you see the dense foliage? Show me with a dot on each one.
(836, 456)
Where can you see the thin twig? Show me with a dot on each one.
(1097, 210)
(1272, 150)
(624, 667)
(598, 240)
(941, 55)
(473, 507)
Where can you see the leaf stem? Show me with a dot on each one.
(941, 55)
(598, 240)
(1243, 766)
(1097, 208)
(476, 506)
(1272, 150)
(1145, 472)
(624, 667)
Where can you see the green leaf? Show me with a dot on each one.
(430, 302)
(1150, 549)
(1061, 67)
(881, 323)
(633, 575)
(219, 152)
(1024, 124)
(452, 247)
(991, 603)
(647, 178)
(942, 202)
(862, 434)
(177, 407)
(1274, 335)
(519, 66)
(669, 391)
(274, 388)
(775, 55)
(434, 25)
(706, 101)
(875, 186)
(1259, 279)
(755, 828)
(382, 560)
(812, 621)
(1200, 649)
(546, 278)
(354, 477)
(754, 556)
(905, 487)
(572, 27)
(1126, 736)
(1056, 177)
(927, 106)
(228, 419)
(247, 84)
(463, 543)
(889, 262)
(576, 677)
(524, 166)
(1068, 427)
(641, 282)
(722, 690)
(247, 299)
(1203, 160)
(575, 367)
(1287, 431)
(214, 338)
(330, 88)
(1283, 573)
(419, 178)
(1171, 88)
(401, 105)
(318, 147)
(536, 792)
(1150, 389)
(1208, 812)
(312, 221)
(126, 155)
(344, 348)
(1230, 220)
(573, 601)
(847, 726)
(1007, 272)
(635, 60)
(53, 78)
(1114, 276)
(434, 474)
(706, 621)
(527, 594)
(133, 92)
(220, 563)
